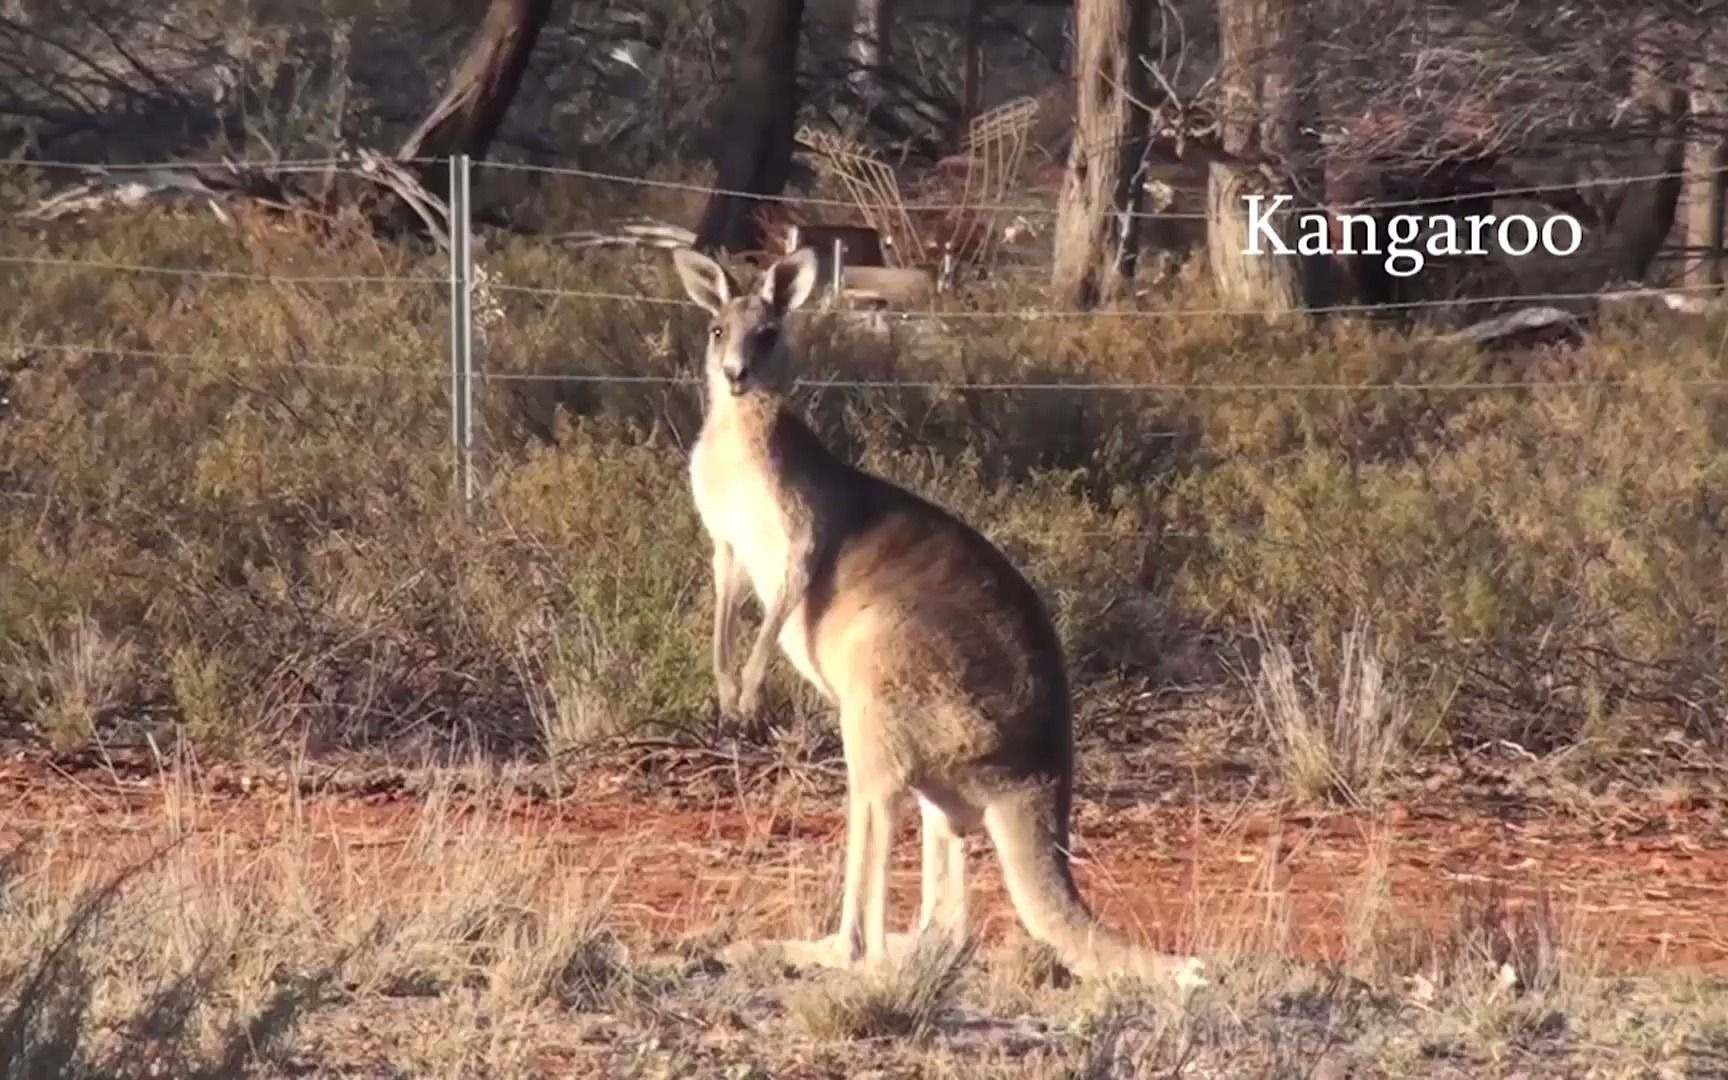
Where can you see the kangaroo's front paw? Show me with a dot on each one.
(726, 695)
(746, 716)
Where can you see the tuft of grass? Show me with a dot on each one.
(1337, 737)
(1019, 974)
(1525, 948)
(559, 949)
(905, 1000)
(202, 686)
(572, 681)
(71, 677)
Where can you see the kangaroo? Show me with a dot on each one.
(940, 657)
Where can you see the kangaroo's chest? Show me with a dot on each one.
(740, 504)
(747, 503)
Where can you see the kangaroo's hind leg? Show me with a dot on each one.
(942, 884)
(945, 822)
(864, 903)
(874, 792)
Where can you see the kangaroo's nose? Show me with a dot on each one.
(736, 379)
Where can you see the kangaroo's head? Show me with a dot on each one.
(746, 346)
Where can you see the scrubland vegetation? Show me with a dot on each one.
(255, 536)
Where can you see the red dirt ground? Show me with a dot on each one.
(1647, 886)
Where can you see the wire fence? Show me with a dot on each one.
(465, 279)
(9, 259)
(1040, 314)
(283, 166)
(912, 315)
(225, 360)
(358, 166)
(1031, 209)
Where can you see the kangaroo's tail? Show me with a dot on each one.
(1029, 830)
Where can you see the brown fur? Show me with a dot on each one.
(942, 660)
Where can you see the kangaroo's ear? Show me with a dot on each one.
(789, 282)
(705, 280)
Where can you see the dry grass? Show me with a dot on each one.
(570, 680)
(208, 956)
(1336, 737)
(68, 679)
(905, 1001)
(457, 945)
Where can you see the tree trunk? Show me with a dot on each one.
(1263, 83)
(1364, 33)
(1705, 211)
(872, 44)
(758, 121)
(1648, 208)
(466, 118)
(1707, 167)
(1097, 240)
(972, 51)
(1361, 277)
(1254, 282)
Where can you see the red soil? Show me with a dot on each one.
(683, 853)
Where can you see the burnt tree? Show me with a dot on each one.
(972, 77)
(872, 44)
(466, 118)
(1660, 106)
(1096, 240)
(754, 136)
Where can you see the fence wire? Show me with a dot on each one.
(358, 166)
(20, 347)
(945, 314)
(11, 259)
(707, 190)
(201, 359)
(261, 165)
(1034, 314)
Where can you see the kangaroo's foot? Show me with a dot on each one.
(832, 951)
(1186, 972)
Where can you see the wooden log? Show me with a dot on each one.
(898, 287)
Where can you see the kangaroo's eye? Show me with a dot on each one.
(767, 338)
(715, 333)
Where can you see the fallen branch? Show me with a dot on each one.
(650, 234)
(432, 211)
(157, 187)
(218, 188)
(1520, 325)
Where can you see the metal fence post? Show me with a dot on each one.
(455, 320)
(462, 327)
